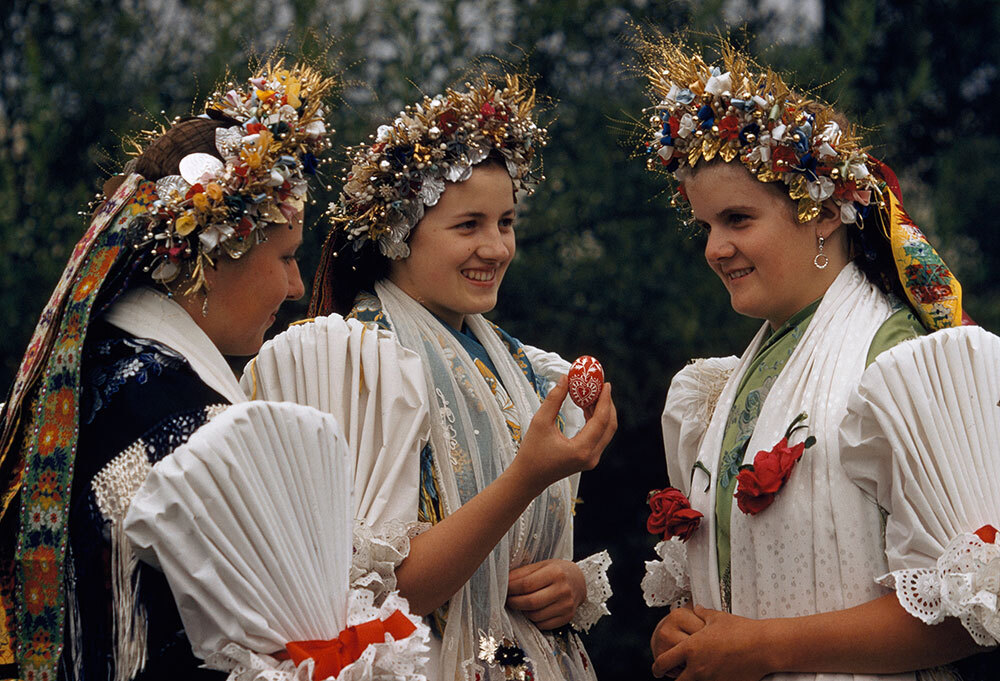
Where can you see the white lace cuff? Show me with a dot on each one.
(378, 552)
(965, 584)
(595, 573)
(403, 660)
(667, 581)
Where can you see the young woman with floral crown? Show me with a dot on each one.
(187, 259)
(423, 235)
(857, 525)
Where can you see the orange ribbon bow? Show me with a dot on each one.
(987, 533)
(333, 655)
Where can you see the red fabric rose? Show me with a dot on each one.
(756, 487)
(671, 514)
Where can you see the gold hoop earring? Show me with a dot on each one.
(821, 260)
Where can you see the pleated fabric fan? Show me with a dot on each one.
(922, 436)
(252, 522)
(373, 387)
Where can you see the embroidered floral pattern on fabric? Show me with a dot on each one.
(136, 359)
(48, 449)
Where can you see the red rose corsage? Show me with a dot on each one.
(671, 514)
(758, 483)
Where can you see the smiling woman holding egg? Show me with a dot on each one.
(424, 232)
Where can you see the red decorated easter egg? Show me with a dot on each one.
(586, 379)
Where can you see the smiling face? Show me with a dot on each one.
(757, 247)
(244, 295)
(461, 248)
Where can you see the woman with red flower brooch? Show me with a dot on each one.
(818, 429)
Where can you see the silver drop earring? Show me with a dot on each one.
(204, 306)
(821, 260)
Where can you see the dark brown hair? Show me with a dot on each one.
(189, 136)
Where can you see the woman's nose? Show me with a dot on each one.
(718, 246)
(296, 289)
(494, 244)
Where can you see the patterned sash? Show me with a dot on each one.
(37, 459)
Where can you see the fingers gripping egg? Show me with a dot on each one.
(586, 379)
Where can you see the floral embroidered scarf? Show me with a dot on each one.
(40, 427)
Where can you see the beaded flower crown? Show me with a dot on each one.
(218, 206)
(404, 169)
(738, 110)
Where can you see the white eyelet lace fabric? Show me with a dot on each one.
(595, 573)
(378, 552)
(403, 660)
(965, 583)
(666, 581)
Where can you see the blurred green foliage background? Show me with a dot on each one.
(603, 266)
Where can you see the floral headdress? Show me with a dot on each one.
(217, 206)
(738, 110)
(439, 139)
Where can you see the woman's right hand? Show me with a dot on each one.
(546, 455)
(672, 629)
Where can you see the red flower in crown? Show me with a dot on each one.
(757, 484)
(729, 128)
(782, 159)
(671, 514)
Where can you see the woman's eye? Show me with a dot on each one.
(507, 223)
(468, 224)
(738, 218)
(290, 258)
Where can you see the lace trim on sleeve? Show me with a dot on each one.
(378, 552)
(965, 584)
(666, 581)
(595, 573)
(403, 660)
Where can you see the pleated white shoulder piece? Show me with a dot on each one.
(251, 522)
(922, 438)
(373, 387)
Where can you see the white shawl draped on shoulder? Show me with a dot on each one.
(148, 313)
